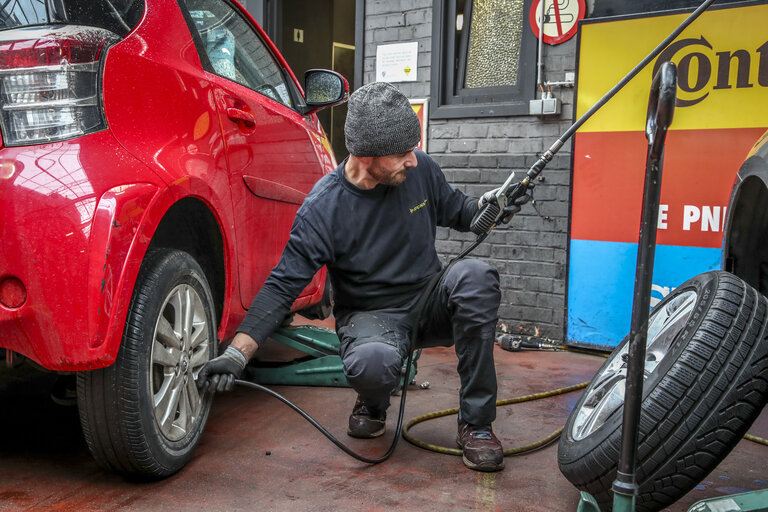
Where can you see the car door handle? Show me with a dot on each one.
(244, 117)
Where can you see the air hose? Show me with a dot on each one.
(420, 308)
(330, 436)
(509, 401)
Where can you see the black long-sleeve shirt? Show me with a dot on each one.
(378, 244)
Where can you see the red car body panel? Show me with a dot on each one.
(78, 216)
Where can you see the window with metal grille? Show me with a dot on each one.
(483, 58)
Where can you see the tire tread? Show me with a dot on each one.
(697, 412)
(112, 416)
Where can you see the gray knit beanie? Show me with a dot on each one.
(380, 121)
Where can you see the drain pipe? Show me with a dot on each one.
(540, 56)
(547, 105)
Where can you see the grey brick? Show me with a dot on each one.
(519, 146)
(522, 253)
(437, 145)
(520, 298)
(553, 302)
(483, 161)
(482, 251)
(418, 16)
(508, 130)
(444, 131)
(464, 176)
(474, 131)
(513, 162)
(553, 178)
(422, 30)
(452, 160)
(382, 35)
(416, 4)
(382, 6)
(551, 192)
(553, 208)
(448, 246)
(395, 20)
(462, 146)
(373, 22)
(493, 145)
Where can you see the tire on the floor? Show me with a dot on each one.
(142, 416)
(709, 386)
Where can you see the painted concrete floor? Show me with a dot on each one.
(257, 454)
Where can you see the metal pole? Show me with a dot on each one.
(661, 107)
(540, 60)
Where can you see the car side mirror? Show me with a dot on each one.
(324, 88)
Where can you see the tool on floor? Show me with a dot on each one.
(516, 343)
(487, 218)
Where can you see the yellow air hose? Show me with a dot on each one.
(755, 439)
(509, 452)
(520, 450)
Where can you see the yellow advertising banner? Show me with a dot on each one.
(722, 61)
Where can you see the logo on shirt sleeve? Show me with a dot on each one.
(419, 206)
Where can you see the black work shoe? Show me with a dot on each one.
(366, 422)
(482, 449)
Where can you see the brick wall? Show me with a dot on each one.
(477, 155)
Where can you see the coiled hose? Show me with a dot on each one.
(509, 452)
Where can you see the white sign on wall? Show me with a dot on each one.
(397, 62)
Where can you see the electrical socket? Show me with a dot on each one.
(544, 107)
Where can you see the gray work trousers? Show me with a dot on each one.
(463, 311)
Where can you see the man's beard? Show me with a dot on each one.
(385, 178)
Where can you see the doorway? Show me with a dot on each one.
(319, 34)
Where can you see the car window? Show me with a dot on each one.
(118, 16)
(235, 50)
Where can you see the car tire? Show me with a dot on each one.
(706, 381)
(143, 416)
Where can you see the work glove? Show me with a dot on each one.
(220, 373)
(511, 208)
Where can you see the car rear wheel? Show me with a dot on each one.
(706, 380)
(143, 416)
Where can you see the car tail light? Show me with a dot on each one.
(49, 83)
(13, 293)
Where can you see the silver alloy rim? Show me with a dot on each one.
(606, 394)
(180, 348)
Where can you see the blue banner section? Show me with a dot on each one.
(601, 281)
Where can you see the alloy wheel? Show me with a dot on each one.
(180, 348)
(606, 394)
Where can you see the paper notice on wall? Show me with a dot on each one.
(397, 62)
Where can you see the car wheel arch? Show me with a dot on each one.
(745, 246)
(188, 224)
(191, 225)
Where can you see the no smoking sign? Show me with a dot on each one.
(561, 18)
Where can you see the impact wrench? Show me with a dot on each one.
(497, 207)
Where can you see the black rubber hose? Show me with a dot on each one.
(330, 436)
(421, 307)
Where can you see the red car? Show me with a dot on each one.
(153, 156)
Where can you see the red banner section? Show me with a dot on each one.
(698, 174)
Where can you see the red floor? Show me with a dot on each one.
(257, 454)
